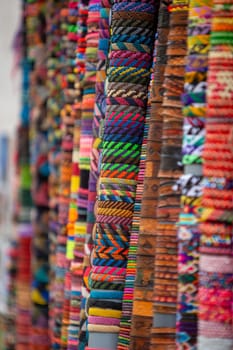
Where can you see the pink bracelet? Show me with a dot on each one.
(103, 320)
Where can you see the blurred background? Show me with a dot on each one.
(9, 88)
(9, 112)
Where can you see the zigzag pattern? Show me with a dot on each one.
(110, 241)
(115, 256)
(112, 250)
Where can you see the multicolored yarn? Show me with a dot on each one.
(168, 207)
(99, 111)
(81, 250)
(69, 116)
(54, 102)
(76, 229)
(130, 310)
(216, 272)
(194, 110)
(56, 44)
(99, 114)
(119, 170)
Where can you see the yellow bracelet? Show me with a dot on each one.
(96, 311)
